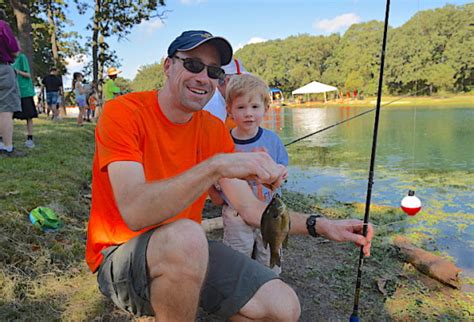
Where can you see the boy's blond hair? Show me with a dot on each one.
(246, 83)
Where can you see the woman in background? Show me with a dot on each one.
(80, 93)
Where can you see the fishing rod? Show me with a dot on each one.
(352, 117)
(355, 317)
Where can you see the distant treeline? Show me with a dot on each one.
(432, 52)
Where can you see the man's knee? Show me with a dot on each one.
(179, 247)
(275, 301)
(290, 309)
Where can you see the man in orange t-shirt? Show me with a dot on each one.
(157, 154)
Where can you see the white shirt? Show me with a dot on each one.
(216, 106)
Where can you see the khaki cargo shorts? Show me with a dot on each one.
(232, 278)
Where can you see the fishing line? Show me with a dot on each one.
(353, 117)
(354, 317)
(411, 204)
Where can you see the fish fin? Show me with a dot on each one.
(275, 260)
(285, 242)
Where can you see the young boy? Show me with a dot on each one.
(247, 100)
(92, 100)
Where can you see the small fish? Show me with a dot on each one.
(275, 226)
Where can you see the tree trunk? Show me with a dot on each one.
(95, 41)
(429, 264)
(52, 26)
(100, 63)
(212, 224)
(21, 10)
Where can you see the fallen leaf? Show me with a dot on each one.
(381, 282)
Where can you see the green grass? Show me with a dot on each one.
(409, 295)
(43, 275)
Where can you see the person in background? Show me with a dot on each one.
(156, 155)
(216, 105)
(40, 104)
(54, 89)
(92, 102)
(247, 101)
(27, 93)
(9, 93)
(111, 90)
(80, 93)
(61, 104)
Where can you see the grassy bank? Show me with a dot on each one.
(455, 101)
(43, 275)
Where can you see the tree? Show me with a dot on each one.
(149, 77)
(355, 61)
(21, 10)
(354, 81)
(432, 44)
(40, 25)
(289, 63)
(116, 18)
(124, 84)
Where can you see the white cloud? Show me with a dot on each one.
(337, 23)
(77, 62)
(253, 40)
(256, 40)
(151, 25)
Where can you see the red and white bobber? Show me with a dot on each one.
(410, 204)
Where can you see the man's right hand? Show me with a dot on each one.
(257, 166)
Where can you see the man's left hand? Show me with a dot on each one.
(347, 230)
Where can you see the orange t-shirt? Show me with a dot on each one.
(133, 128)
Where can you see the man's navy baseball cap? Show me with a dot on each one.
(191, 39)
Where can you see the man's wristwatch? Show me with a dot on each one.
(311, 225)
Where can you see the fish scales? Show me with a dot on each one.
(275, 227)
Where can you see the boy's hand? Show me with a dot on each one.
(257, 166)
(274, 185)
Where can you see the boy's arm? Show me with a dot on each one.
(215, 196)
(282, 153)
(251, 209)
(21, 66)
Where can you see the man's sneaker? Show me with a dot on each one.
(12, 154)
(29, 144)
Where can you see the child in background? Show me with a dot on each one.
(92, 104)
(247, 101)
(27, 92)
(80, 93)
(40, 104)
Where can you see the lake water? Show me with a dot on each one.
(426, 149)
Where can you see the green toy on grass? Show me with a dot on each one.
(45, 219)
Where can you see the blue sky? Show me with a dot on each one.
(246, 21)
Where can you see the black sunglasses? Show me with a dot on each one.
(196, 66)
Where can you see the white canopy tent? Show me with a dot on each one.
(313, 88)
